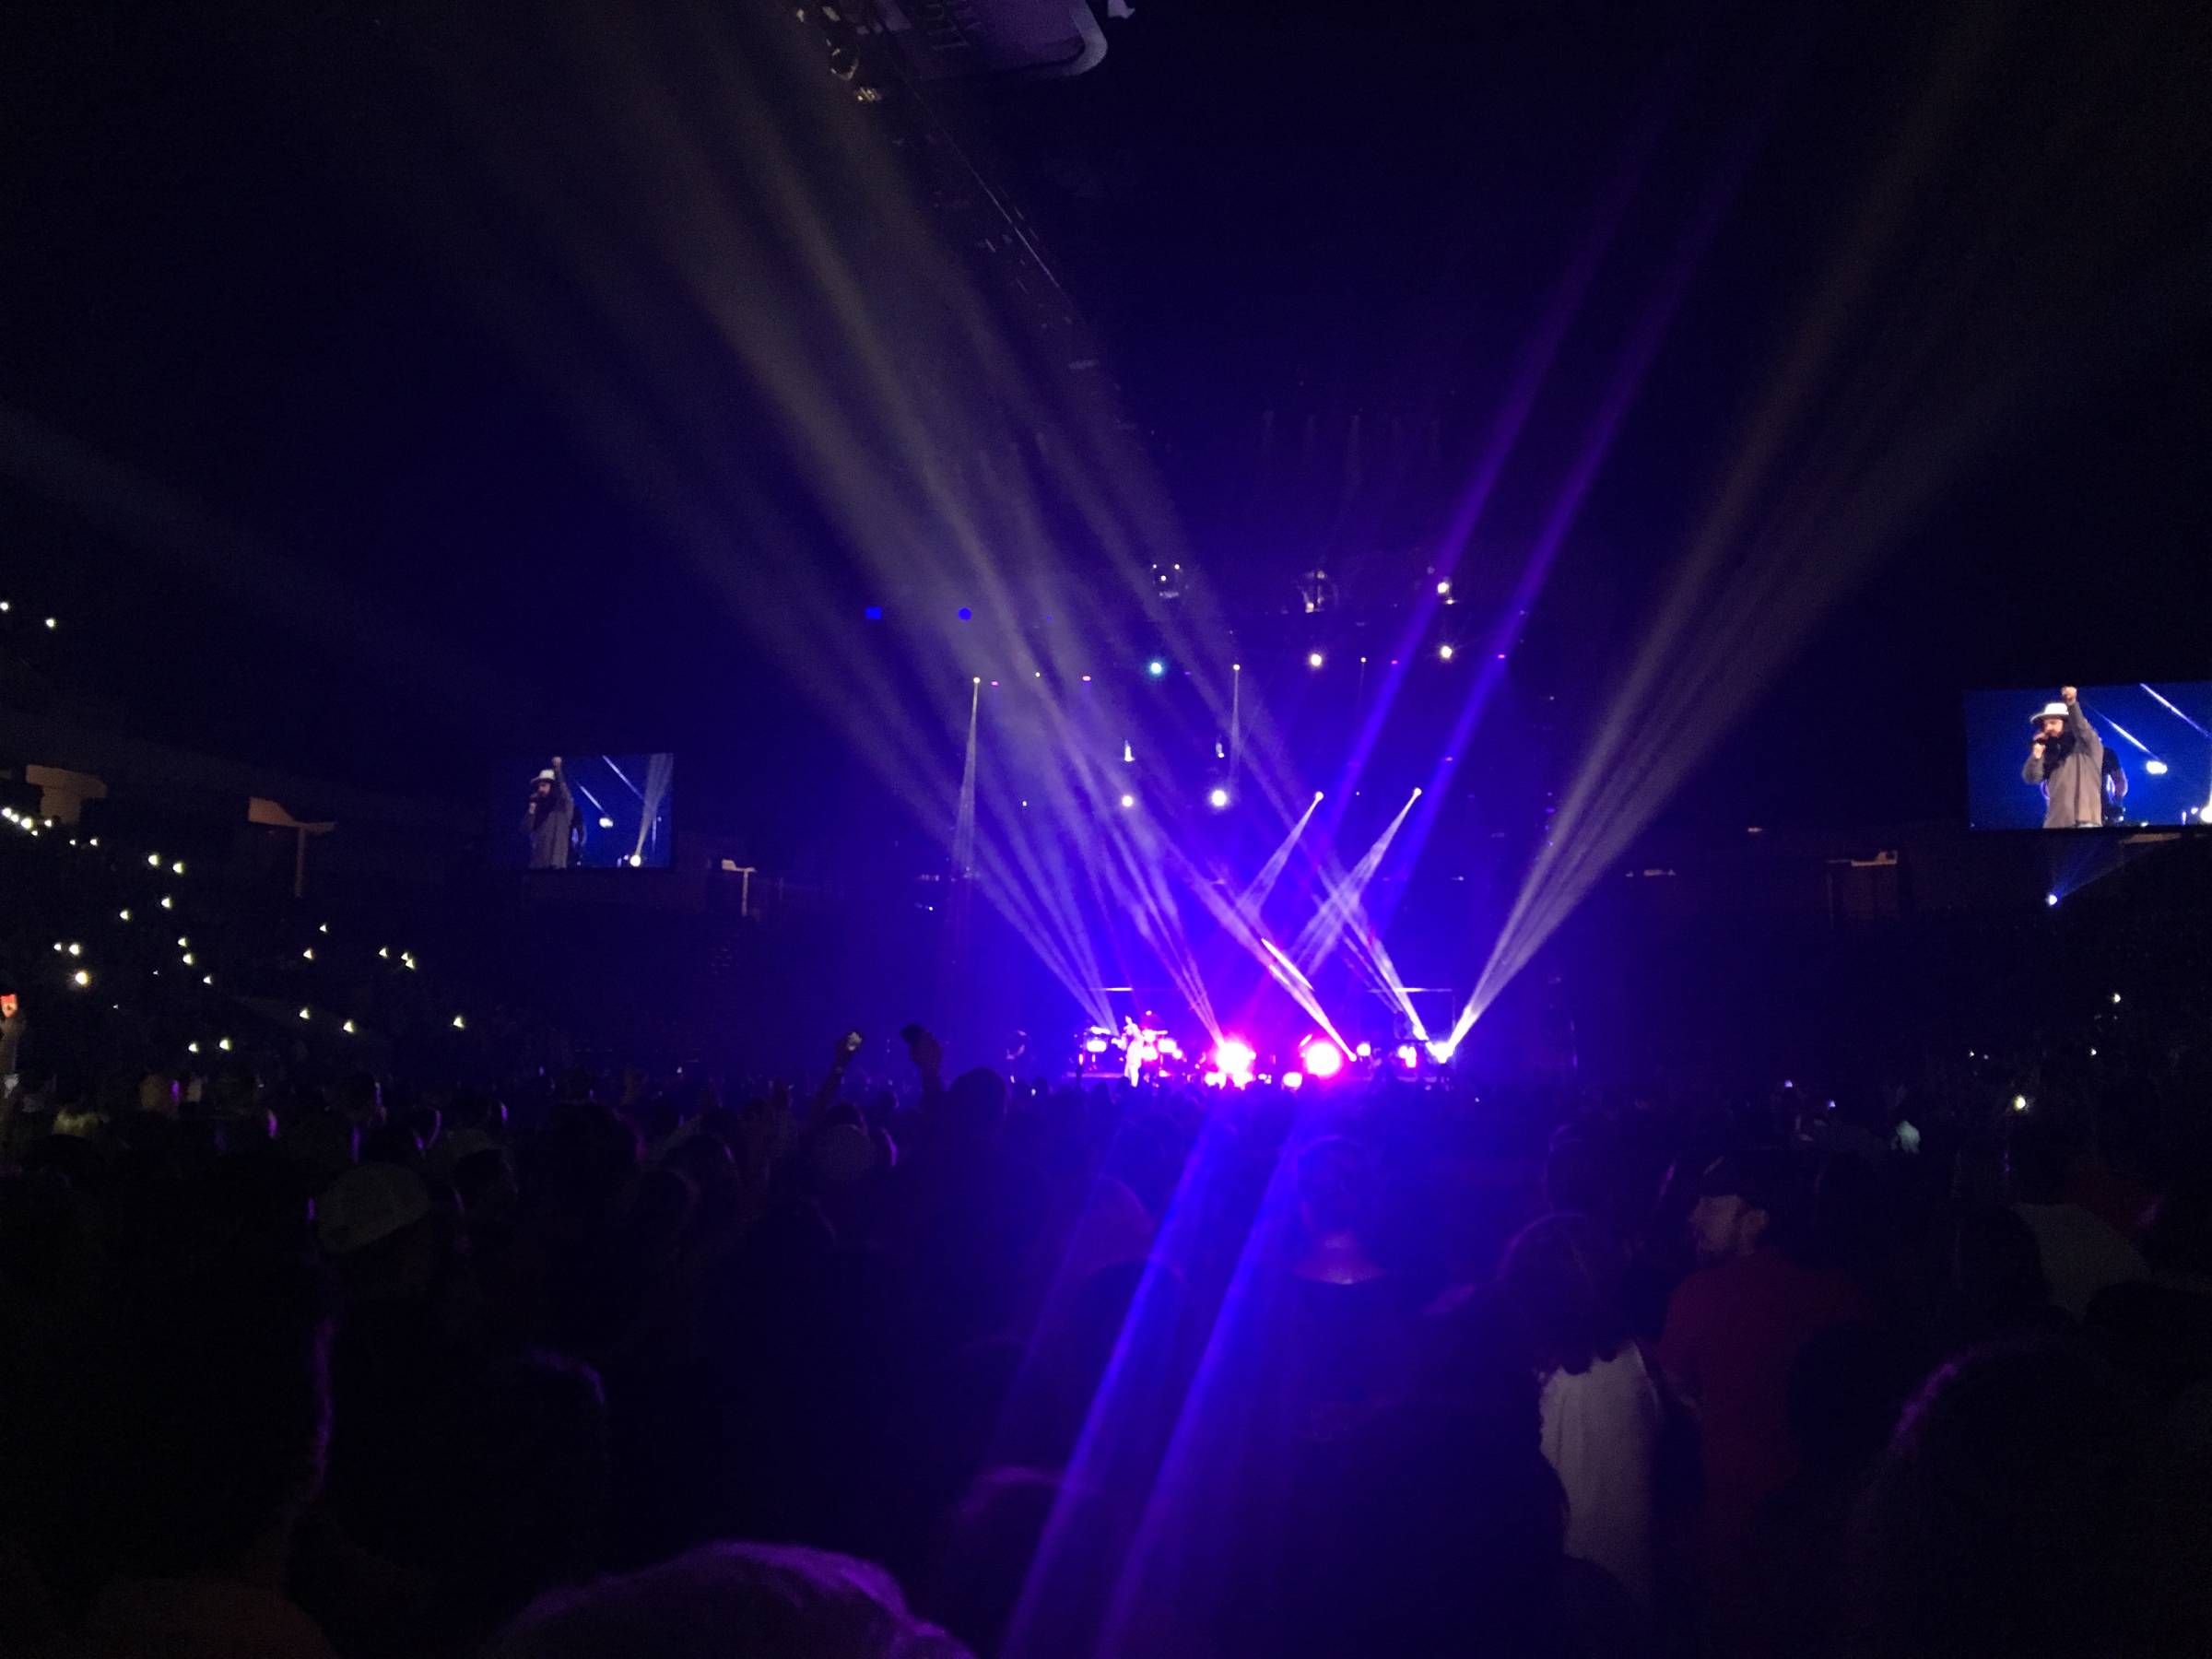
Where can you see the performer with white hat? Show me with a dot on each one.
(548, 818)
(2066, 760)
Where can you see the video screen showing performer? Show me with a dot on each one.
(2116, 756)
(586, 812)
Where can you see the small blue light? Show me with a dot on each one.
(873, 613)
(965, 613)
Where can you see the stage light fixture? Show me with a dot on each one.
(1441, 1052)
(1444, 653)
(1408, 1056)
(2155, 767)
(1156, 668)
(1365, 1050)
(223, 1043)
(1323, 1059)
(2051, 899)
(1443, 590)
(1294, 1080)
(965, 613)
(1235, 1058)
(1217, 798)
(1128, 801)
(2019, 1102)
(606, 823)
(1314, 659)
(81, 978)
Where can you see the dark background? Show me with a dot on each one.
(269, 455)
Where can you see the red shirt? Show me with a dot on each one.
(1733, 1332)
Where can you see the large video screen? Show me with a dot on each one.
(584, 812)
(2130, 756)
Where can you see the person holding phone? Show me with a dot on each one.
(2066, 760)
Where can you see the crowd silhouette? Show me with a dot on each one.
(933, 1364)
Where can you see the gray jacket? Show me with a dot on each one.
(2071, 773)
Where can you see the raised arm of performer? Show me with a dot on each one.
(2080, 728)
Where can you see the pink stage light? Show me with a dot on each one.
(1235, 1058)
(1408, 1056)
(1323, 1059)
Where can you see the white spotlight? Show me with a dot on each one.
(2155, 767)
(1314, 659)
(1218, 797)
(1128, 801)
(1444, 651)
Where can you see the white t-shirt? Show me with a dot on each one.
(2081, 1254)
(1601, 1433)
